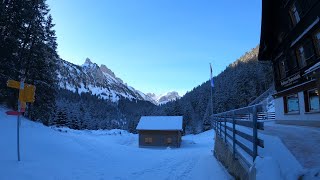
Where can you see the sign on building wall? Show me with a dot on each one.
(291, 80)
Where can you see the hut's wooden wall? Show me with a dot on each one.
(159, 138)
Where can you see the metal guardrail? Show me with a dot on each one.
(266, 116)
(225, 127)
(268, 92)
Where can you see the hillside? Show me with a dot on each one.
(239, 84)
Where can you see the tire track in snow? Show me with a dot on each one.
(174, 168)
(158, 167)
(182, 169)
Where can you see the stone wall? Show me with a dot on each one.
(223, 153)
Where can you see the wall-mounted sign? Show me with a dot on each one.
(290, 80)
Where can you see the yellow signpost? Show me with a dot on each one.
(26, 94)
(13, 84)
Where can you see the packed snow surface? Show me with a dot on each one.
(53, 153)
(160, 123)
(275, 160)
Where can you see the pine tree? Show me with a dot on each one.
(30, 45)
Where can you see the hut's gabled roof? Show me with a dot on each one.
(169, 123)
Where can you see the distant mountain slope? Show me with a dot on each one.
(99, 81)
(239, 84)
(163, 99)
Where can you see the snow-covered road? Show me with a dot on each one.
(47, 153)
(302, 141)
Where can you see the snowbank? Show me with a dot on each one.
(62, 153)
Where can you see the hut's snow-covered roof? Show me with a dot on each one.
(169, 123)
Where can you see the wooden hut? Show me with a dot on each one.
(160, 131)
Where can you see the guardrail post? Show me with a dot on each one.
(220, 129)
(212, 121)
(233, 135)
(255, 133)
(216, 124)
(225, 128)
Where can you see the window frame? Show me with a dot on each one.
(293, 59)
(169, 140)
(308, 104)
(148, 140)
(286, 104)
(303, 45)
(298, 54)
(283, 69)
(316, 41)
(292, 14)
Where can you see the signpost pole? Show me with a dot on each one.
(18, 120)
(18, 137)
(318, 82)
(26, 94)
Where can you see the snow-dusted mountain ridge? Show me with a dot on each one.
(96, 80)
(163, 99)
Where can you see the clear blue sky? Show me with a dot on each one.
(157, 45)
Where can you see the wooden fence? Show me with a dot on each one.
(242, 123)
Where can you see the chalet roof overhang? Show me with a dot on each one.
(272, 25)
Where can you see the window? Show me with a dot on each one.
(292, 60)
(291, 103)
(295, 13)
(316, 38)
(148, 140)
(169, 140)
(301, 56)
(313, 102)
(282, 69)
(305, 52)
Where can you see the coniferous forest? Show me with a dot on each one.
(28, 49)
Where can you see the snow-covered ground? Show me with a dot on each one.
(51, 153)
(302, 141)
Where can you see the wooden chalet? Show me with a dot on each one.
(290, 39)
(160, 131)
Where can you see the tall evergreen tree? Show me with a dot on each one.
(29, 43)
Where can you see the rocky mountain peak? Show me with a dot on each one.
(88, 61)
(163, 99)
(170, 96)
(98, 81)
(105, 69)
